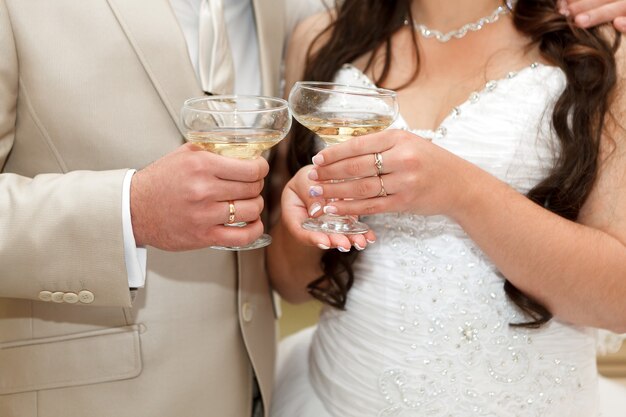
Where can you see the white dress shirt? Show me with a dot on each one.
(244, 45)
(242, 36)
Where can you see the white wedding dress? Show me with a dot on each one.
(426, 328)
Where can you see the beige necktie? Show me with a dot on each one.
(217, 71)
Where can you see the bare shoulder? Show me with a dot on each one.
(306, 33)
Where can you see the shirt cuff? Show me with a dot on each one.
(136, 258)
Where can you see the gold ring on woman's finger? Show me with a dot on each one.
(378, 163)
(382, 192)
(231, 212)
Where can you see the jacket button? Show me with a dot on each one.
(86, 297)
(45, 296)
(70, 297)
(247, 312)
(57, 297)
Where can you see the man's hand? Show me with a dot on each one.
(588, 13)
(180, 202)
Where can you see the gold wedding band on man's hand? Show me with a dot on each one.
(231, 212)
(378, 163)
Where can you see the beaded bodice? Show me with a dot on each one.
(426, 329)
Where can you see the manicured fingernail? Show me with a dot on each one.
(314, 209)
(318, 159)
(313, 175)
(330, 210)
(583, 20)
(342, 249)
(316, 191)
(356, 245)
(371, 241)
(323, 247)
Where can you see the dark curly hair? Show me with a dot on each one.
(587, 58)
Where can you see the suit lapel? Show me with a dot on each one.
(164, 57)
(270, 22)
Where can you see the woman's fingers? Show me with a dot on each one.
(340, 242)
(365, 207)
(600, 15)
(361, 145)
(356, 167)
(343, 243)
(293, 222)
(295, 212)
(589, 13)
(299, 194)
(620, 24)
(359, 242)
(361, 188)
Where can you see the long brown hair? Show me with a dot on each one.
(587, 58)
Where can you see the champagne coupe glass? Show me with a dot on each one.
(238, 127)
(337, 113)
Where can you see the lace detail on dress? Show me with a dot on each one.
(441, 267)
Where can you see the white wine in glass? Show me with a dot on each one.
(337, 113)
(335, 128)
(236, 143)
(241, 127)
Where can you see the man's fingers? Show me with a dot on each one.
(233, 190)
(198, 160)
(243, 210)
(232, 169)
(236, 236)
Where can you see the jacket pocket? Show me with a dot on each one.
(64, 361)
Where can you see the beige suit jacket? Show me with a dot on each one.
(89, 88)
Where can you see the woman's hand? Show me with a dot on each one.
(588, 13)
(417, 176)
(298, 203)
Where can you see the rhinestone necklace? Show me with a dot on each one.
(465, 29)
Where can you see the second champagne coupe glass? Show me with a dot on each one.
(238, 127)
(337, 113)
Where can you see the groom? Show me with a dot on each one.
(89, 89)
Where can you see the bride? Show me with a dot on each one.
(498, 215)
